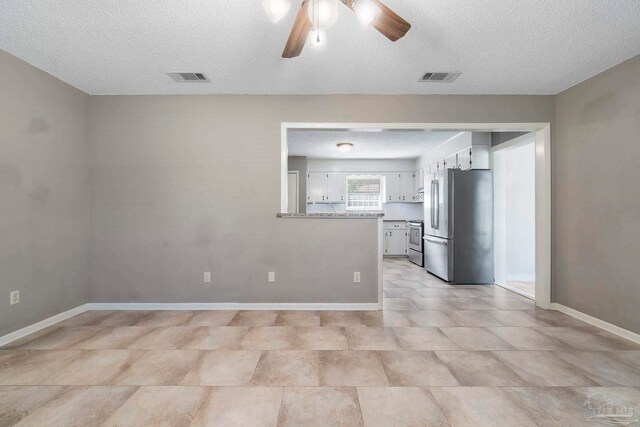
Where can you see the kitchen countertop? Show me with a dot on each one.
(350, 215)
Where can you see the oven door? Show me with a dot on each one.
(415, 238)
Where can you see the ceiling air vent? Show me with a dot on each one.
(189, 77)
(439, 77)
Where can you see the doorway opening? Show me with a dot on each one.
(539, 132)
(514, 180)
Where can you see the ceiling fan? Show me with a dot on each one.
(315, 16)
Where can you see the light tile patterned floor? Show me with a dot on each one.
(437, 355)
(528, 288)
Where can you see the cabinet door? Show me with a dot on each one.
(397, 241)
(464, 159)
(406, 241)
(317, 187)
(451, 162)
(337, 183)
(406, 189)
(435, 167)
(386, 243)
(392, 187)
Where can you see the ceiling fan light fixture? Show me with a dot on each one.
(366, 12)
(323, 13)
(276, 9)
(318, 39)
(344, 146)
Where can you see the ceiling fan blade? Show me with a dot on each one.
(389, 23)
(299, 33)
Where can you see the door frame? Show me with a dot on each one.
(543, 182)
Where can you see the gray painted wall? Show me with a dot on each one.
(44, 200)
(299, 163)
(596, 202)
(187, 184)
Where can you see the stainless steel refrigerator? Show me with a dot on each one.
(458, 240)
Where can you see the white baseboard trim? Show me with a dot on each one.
(516, 291)
(521, 277)
(21, 333)
(621, 332)
(234, 306)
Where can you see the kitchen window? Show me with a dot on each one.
(364, 193)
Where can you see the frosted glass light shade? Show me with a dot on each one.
(366, 12)
(276, 9)
(317, 39)
(323, 13)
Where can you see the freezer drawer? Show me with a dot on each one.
(438, 257)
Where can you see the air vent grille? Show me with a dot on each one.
(439, 77)
(189, 77)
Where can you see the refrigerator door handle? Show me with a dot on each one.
(436, 220)
(436, 242)
(431, 201)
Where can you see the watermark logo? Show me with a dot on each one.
(609, 411)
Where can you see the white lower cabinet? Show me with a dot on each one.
(395, 238)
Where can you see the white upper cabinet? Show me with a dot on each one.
(317, 187)
(451, 162)
(464, 159)
(331, 187)
(392, 187)
(337, 184)
(406, 191)
(399, 187)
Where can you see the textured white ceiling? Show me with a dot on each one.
(388, 144)
(500, 46)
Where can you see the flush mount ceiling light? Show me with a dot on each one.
(344, 146)
(314, 16)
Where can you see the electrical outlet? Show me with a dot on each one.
(14, 297)
(272, 277)
(356, 277)
(207, 277)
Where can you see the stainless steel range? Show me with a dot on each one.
(416, 255)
